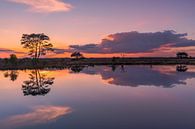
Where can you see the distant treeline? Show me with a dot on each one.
(28, 63)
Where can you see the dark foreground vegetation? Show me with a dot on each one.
(60, 63)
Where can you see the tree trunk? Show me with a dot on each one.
(36, 51)
(39, 49)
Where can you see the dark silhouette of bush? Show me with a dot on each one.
(77, 55)
(182, 55)
(13, 59)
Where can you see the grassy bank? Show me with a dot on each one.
(28, 63)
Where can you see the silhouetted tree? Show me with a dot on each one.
(182, 55)
(13, 59)
(114, 59)
(77, 55)
(38, 84)
(37, 44)
(13, 74)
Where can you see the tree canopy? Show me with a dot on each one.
(13, 59)
(77, 55)
(37, 44)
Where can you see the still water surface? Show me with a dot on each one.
(100, 97)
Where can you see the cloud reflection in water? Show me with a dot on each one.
(41, 114)
(135, 76)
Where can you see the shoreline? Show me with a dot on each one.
(27, 63)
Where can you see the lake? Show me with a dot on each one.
(99, 97)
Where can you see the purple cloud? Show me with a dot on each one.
(135, 42)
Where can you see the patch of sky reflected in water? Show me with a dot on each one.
(106, 97)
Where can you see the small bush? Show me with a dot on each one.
(13, 59)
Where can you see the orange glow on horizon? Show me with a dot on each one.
(163, 51)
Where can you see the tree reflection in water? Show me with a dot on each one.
(135, 75)
(13, 75)
(114, 68)
(38, 84)
(181, 68)
(77, 68)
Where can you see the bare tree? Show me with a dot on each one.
(37, 44)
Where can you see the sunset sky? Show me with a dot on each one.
(83, 24)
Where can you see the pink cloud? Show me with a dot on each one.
(45, 6)
(39, 115)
